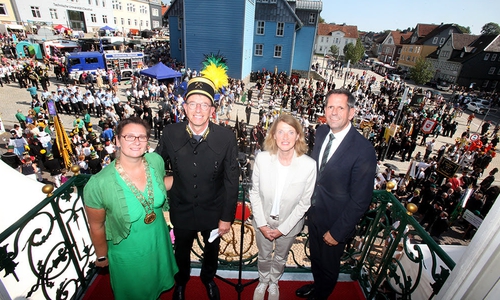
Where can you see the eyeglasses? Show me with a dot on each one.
(131, 138)
(193, 105)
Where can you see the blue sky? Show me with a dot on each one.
(390, 14)
(373, 15)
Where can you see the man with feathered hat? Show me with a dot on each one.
(204, 185)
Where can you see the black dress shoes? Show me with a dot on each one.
(179, 291)
(212, 291)
(305, 291)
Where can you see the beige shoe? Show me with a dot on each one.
(260, 291)
(274, 292)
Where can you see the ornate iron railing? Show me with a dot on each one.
(49, 249)
(47, 253)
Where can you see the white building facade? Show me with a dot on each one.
(79, 15)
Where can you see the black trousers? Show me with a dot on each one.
(183, 243)
(325, 260)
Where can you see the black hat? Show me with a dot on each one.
(202, 86)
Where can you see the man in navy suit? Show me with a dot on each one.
(346, 169)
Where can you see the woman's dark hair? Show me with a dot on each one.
(132, 120)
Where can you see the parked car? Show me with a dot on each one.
(394, 77)
(483, 102)
(443, 85)
(477, 108)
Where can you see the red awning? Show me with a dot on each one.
(134, 31)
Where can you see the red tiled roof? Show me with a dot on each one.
(350, 31)
(399, 36)
(424, 29)
(164, 9)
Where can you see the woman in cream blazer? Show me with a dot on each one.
(282, 185)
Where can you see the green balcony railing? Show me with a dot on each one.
(47, 254)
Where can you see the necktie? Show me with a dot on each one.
(197, 137)
(324, 158)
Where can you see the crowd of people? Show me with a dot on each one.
(287, 109)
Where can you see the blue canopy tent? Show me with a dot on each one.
(160, 72)
(107, 28)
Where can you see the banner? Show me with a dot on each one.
(428, 126)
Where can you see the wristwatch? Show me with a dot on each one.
(102, 258)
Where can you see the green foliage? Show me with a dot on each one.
(354, 53)
(463, 29)
(490, 29)
(334, 50)
(321, 20)
(422, 72)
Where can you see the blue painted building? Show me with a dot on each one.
(252, 34)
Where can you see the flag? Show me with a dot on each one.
(63, 142)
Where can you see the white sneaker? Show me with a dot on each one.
(260, 291)
(274, 292)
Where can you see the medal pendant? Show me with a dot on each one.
(150, 218)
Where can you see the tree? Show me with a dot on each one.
(334, 50)
(490, 29)
(463, 29)
(321, 20)
(354, 53)
(422, 72)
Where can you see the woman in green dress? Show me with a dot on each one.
(124, 203)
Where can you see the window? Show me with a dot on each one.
(147, 23)
(445, 53)
(105, 19)
(103, 3)
(3, 10)
(327, 40)
(312, 18)
(492, 71)
(93, 18)
(435, 40)
(155, 12)
(280, 29)
(259, 50)
(141, 23)
(96, 2)
(277, 50)
(485, 83)
(179, 24)
(116, 5)
(156, 24)
(114, 20)
(494, 84)
(180, 44)
(143, 9)
(493, 57)
(321, 39)
(130, 7)
(272, 1)
(129, 22)
(91, 60)
(441, 41)
(135, 22)
(411, 49)
(260, 27)
(123, 21)
(35, 12)
(53, 13)
(486, 56)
